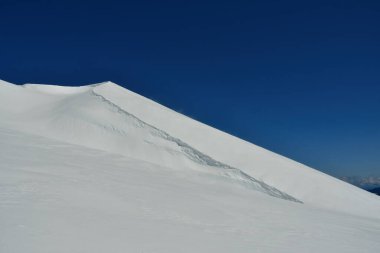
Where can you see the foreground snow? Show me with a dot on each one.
(58, 197)
(101, 169)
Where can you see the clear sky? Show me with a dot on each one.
(301, 78)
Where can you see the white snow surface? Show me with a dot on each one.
(99, 168)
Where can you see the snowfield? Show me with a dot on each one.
(99, 168)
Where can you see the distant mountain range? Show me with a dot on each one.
(375, 190)
(370, 183)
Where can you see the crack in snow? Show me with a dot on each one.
(199, 157)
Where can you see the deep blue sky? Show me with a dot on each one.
(301, 78)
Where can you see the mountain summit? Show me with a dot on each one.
(139, 157)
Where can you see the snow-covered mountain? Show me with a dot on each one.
(99, 168)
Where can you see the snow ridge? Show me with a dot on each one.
(202, 158)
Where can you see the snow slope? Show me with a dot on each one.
(108, 117)
(99, 168)
(81, 116)
(58, 197)
(302, 182)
